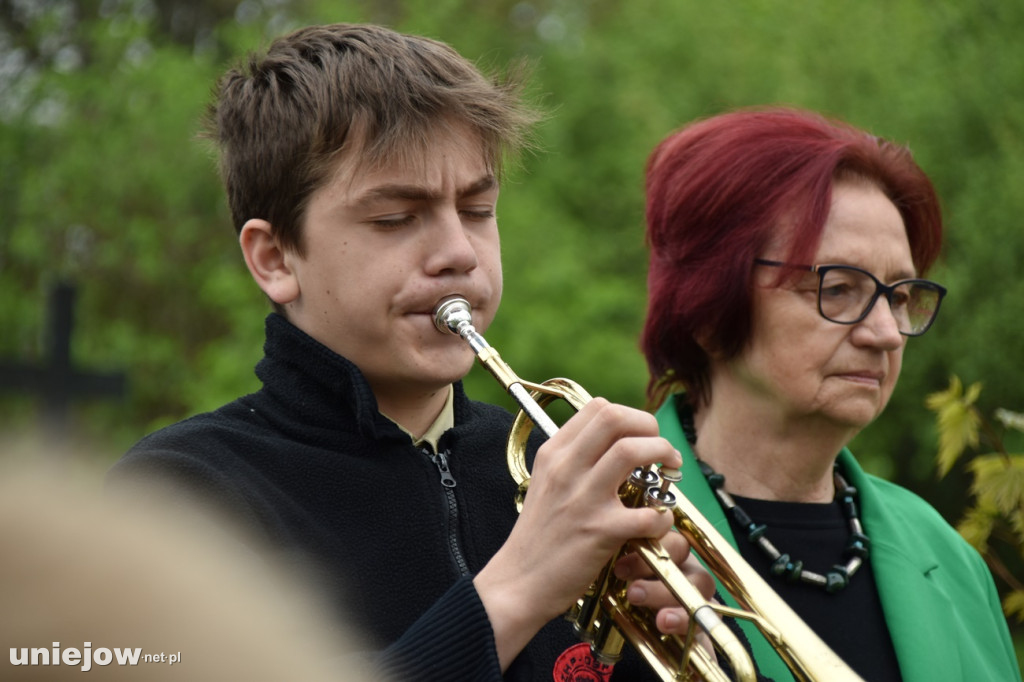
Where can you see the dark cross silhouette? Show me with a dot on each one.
(56, 381)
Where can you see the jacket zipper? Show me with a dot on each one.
(440, 460)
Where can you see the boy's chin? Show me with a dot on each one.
(450, 365)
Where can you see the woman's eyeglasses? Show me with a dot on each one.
(846, 295)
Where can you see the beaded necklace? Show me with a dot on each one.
(857, 548)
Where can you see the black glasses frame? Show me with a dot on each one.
(880, 289)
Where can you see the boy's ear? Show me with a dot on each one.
(268, 263)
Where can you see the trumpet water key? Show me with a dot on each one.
(602, 616)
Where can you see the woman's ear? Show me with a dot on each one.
(268, 263)
(704, 340)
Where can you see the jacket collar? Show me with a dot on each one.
(905, 564)
(321, 389)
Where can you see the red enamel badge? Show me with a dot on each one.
(577, 664)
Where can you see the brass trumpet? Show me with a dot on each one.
(602, 617)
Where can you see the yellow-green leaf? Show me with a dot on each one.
(973, 391)
(958, 429)
(1013, 605)
(976, 526)
(1000, 481)
(958, 421)
(940, 399)
(1016, 520)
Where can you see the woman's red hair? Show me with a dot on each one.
(717, 192)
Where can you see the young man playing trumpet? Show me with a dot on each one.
(362, 169)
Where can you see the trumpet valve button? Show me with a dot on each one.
(660, 498)
(671, 475)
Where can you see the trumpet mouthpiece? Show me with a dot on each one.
(451, 314)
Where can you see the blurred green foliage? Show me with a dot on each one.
(102, 182)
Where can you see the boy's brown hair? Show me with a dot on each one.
(285, 119)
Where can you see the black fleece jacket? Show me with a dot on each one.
(310, 464)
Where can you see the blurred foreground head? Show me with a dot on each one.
(96, 575)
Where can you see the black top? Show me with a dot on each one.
(310, 464)
(850, 621)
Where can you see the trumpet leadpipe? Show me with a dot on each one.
(454, 316)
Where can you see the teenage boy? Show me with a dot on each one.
(362, 168)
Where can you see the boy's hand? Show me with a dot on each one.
(573, 521)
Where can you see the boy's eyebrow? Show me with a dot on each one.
(484, 184)
(420, 193)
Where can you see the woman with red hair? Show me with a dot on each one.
(787, 260)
